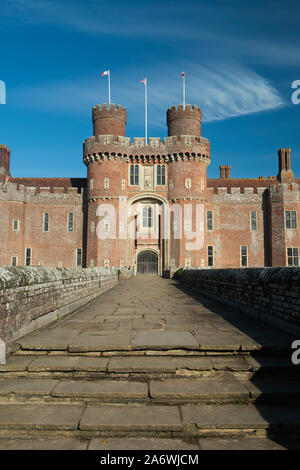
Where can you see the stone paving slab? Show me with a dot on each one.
(140, 443)
(164, 340)
(16, 364)
(68, 363)
(241, 443)
(131, 418)
(47, 443)
(100, 343)
(230, 416)
(231, 363)
(27, 386)
(158, 364)
(204, 388)
(40, 416)
(120, 389)
(273, 388)
(274, 363)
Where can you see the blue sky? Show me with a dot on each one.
(240, 59)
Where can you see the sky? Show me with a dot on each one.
(240, 59)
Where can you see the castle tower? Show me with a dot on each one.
(105, 176)
(109, 120)
(187, 173)
(186, 121)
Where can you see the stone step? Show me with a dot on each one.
(223, 388)
(143, 366)
(140, 420)
(105, 443)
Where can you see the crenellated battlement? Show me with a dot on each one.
(109, 119)
(19, 192)
(184, 121)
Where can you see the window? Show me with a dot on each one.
(106, 263)
(41, 263)
(106, 183)
(123, 182)
(292, 256)
(209, 220)
(244, 255)
(92, 227)
(210, 255)
(14, 261)
(161, 175)
(15, 225)
(28, 257)
(134, 175)
(171, 184)
(46, 221)
(253, 219)
(122, 264)
(147, 217)
(202, 184)
(59, 264)
(188, 183)
(79, 257)
(187, 263)
(172, 263)
(91, 184)
(290, 219)
(70, 222)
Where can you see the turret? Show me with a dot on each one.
(186, 121)
(4, 161)
(109, 120)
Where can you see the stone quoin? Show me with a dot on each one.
(149, 208)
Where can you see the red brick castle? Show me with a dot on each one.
(149, 206)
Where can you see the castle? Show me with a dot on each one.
(149, 206)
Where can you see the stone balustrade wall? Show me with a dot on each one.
(272, 294)
(31, 297)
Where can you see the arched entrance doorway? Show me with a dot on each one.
(147, 262)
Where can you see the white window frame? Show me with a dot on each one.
(28, 248)
(44, 222)
(18, 225)
(106, 183)
(251, 220)
(77, 257)
(16, 258)
(68, 222)
(188, 183)
(292, 256)
(211, 220)
(241, 256)
(290, 220)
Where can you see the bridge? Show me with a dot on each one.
(151, 364)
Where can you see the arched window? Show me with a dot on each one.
(161, 175)
(147, 217)
(134, 175)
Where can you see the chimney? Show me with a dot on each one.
(225, 172)
(285, 174)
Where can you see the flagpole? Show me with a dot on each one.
(183, 91)
(146, 117)
(109, 88)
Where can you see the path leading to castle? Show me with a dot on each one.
(151, 364)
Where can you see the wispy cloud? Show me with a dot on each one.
(222, 91)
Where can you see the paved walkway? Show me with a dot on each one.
(143, 367)
(150, 313)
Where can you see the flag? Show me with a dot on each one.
(105, 73)
(144, 81)
(182, 74)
